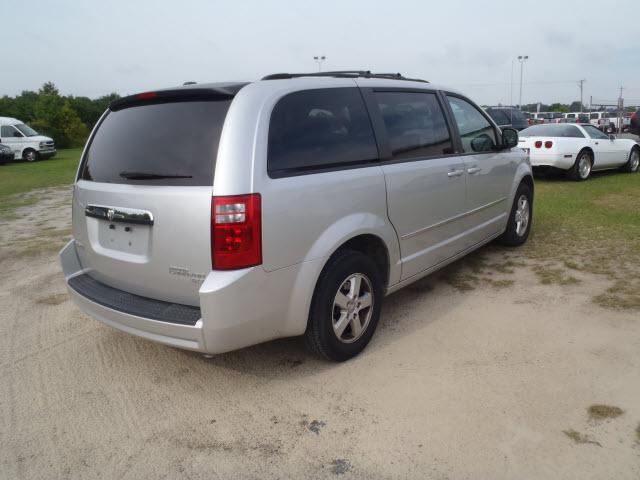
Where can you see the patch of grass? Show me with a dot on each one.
(54, 232)
(623, 295)
(54, 299)
(504, 283)
(580, 438)
(601, 412)
(8, 205)
(21, 177)
(554, 276)
(463, 282)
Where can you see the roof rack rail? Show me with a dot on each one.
(343, 74)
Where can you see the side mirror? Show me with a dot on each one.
(17, 134)
(612, 137)
(509, 138)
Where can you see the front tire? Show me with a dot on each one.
(30, 155)
(520, 218)
(633, 164)
(582, 167)
(346, 306)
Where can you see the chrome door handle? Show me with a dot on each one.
(473, 170)
(455, 173)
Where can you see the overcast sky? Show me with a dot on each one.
(93, 47)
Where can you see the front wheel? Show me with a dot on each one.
(520, 217)
(30, 155)
(633, 164)
(346, 306)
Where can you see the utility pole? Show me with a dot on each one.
(620, 111)
(522, 59)
(581, 83)
(319, 59)
(511, 85)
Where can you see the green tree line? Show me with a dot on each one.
(66, 119)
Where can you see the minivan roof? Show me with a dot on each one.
(227, 90)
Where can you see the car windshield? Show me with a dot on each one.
(593, 132)
(26, 130)
(551, 130)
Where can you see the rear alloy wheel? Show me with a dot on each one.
(30, 155)
(346, 306)
(633, 164)
(519, 223)
(582, 167)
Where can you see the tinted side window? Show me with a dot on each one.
(476, 133)
(315, 129)
(415, 124)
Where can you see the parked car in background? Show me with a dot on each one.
(508, 117)
(24, 141)
(634, 122)
(303, 198)
(6, 154)
(611, 123)
(578, 149)
(548, 117)
(578, 117)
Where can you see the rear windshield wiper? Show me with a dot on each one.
(150, 176)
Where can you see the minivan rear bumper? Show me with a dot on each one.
(189, 337)
(238, 307)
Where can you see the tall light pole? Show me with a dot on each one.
(319, 59)
(522, 59)
(511, 85)
(581, 83)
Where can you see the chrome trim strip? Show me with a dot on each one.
(119, 214)
(453, 219)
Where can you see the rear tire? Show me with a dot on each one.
(633, 164)
(346, 306)
(582, 167)
(30, 155)
(520, 218)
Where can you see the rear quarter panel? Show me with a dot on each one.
(304, 217)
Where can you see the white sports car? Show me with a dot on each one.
(578, 149)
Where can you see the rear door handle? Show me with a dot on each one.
(455, 173)
(119, 214)
(474, 170)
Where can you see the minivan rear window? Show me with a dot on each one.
(172, 143)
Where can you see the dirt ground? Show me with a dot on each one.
(480, 372)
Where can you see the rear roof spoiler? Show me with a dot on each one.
(192, 94)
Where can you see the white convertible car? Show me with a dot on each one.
(578, 149)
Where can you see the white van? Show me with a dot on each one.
(25, 142)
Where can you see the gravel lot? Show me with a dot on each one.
(487, 381)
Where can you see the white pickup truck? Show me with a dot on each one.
(608, 122)
(24, 141)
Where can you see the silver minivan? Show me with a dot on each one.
(216, 216)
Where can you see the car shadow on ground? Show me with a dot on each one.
(288, 358)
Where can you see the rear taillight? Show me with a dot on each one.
(236, 232)
(538, 144)
(548, 144)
